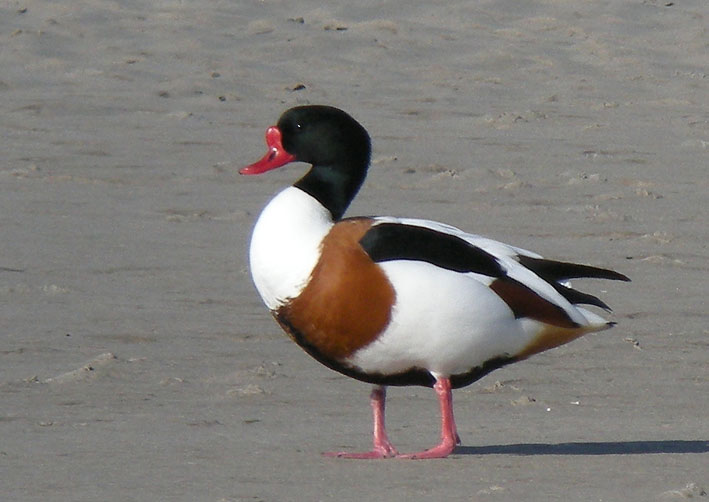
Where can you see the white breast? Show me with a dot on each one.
(285, 245)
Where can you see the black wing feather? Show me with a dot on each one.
(553, 271)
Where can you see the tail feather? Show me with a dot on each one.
(557, 272)
(595, 322)
(576, 297)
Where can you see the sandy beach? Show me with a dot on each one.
(137, 362)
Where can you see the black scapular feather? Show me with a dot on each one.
(395, 241)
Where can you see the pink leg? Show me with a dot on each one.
(382, 447)
(449, 434)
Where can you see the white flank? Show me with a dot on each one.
(446, 322)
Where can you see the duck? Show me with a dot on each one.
(394, 301)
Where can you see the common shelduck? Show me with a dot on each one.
(398, 301)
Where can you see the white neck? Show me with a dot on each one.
(285, 245)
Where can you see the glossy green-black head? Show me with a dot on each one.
(336, 145)
(324, 136)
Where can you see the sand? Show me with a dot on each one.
(137, 362)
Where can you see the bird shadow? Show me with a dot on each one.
(587, 448)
